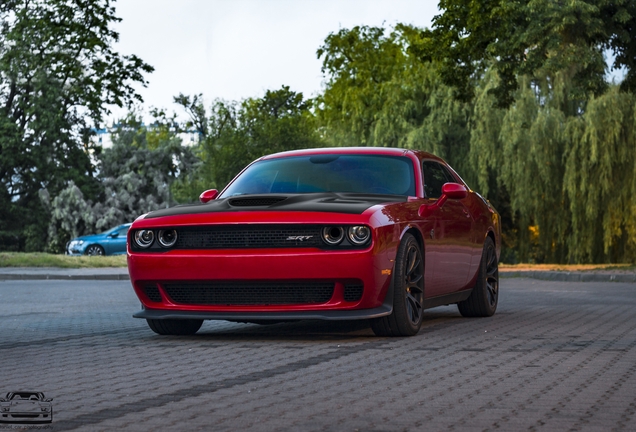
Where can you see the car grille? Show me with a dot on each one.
(152, 292)
(249, 236)
(249, 293)
(353, 292)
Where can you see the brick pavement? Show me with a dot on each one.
(556, 356)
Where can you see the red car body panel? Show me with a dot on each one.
(451, 237)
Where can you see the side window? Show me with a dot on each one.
(449, 177)
(122, 231)
(434, 179)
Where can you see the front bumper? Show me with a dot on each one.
(263, 266)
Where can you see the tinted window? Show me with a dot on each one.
(327, 173)
(435, 175)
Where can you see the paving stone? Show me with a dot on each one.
(556, 356)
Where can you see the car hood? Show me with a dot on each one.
(316, 202)
(90, 237)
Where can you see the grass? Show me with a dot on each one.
(567, 267)
(39, 259)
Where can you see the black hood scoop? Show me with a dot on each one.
(330, 202)
(255, 201)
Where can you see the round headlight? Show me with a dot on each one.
(332, 235)
(144, 238)
(167, 238)
(359, 235)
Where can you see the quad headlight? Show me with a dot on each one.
(144, 238)
(167, 238)
(359, 235)
(332, 235)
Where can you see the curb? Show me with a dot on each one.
(570, 276)
(64, 277)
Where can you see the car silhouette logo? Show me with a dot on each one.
(26, 407)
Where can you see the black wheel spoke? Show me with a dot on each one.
(414, 308)
(413, 278)
(412, 261)
(414, 282)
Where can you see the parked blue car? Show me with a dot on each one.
(110, 242)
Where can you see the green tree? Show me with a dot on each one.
(564, 182)
(58, 73)
(135, 176)
(379, 94)
(526, 37)
(233, 135)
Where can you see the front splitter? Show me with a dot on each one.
(359, 314)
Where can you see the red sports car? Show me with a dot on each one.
(335, 234)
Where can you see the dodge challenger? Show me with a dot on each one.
(379, 234)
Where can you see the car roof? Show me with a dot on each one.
(386, 151)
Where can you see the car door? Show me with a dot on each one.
(115, 242)
(448, 246)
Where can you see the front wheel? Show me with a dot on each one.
(176, 327)
(408, 293)
(485, 296)
(95, 250)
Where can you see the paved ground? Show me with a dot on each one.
(556, 356)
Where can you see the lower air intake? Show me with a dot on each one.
(152, 292)
(353, 292)
(249, 293)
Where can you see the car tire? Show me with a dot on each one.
(175, 327)
(408, 293)
(94, 250)
(485, 295)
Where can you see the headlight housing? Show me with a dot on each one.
(346, 236)
(359, 234)
(144, 238)
(332, 235)
(167, 238)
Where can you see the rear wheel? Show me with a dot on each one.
(177, 327)
(483, 300)
(408, 293)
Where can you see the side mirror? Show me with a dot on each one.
(113, 235)
(453, 191)
(208, 195)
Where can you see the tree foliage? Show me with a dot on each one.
(526, 37)
(135, 177)
(570, 180)
(379, 94)
(58, 73)
(234, 135)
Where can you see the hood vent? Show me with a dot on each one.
(255, 202)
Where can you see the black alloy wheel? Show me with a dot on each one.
(94, 250)
(485, 296)
(175, 327)
(408, 293)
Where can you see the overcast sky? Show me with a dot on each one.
(235, 49)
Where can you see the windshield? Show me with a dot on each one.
(367, 174)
